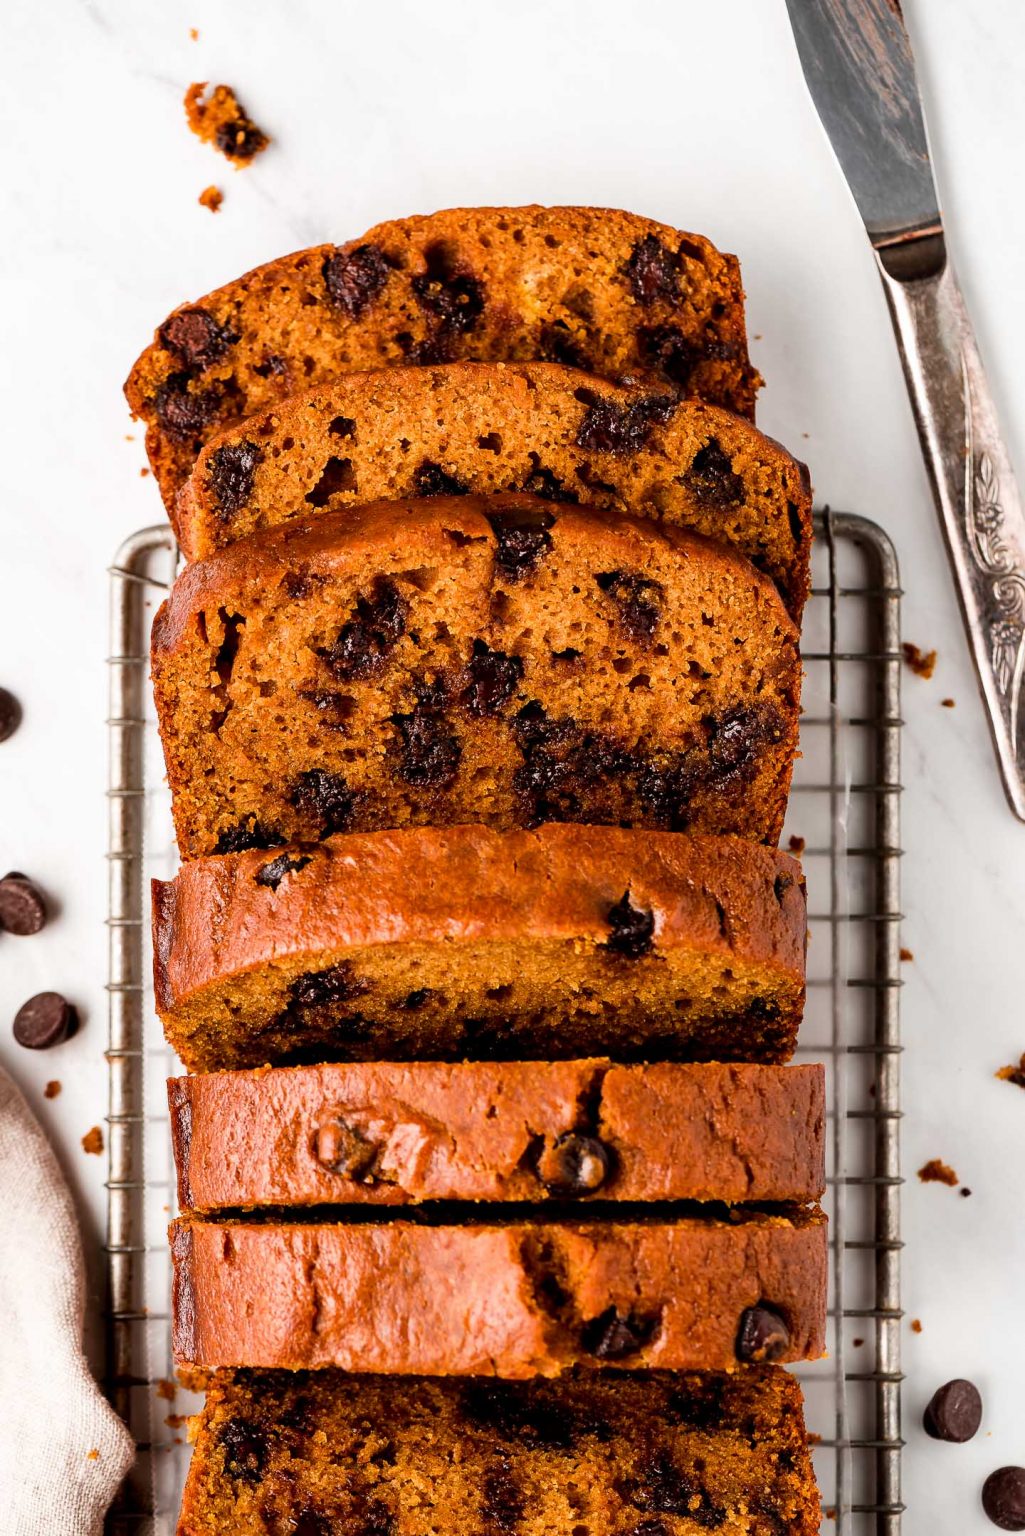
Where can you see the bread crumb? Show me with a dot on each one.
(143, 472)
(52, 1089)
(194, 34)
(1015, 1075)
(947, 703)
(796, 845)
(220, 119)
(937, 1172)
(92, 1141)
(176, 1420)
(906, 954)
(212, 198)
(129, 437)
(92, 1455)
(964, 1192)
(166, 1389)
(922, 663)
(916, 1325)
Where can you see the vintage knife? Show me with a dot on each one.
(857, 60)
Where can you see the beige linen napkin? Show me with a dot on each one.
(63, 1452)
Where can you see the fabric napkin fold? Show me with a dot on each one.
(63, 1451)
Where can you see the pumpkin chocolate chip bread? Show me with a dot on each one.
(516, 1298)
(467, 942)
(533, 427)
(313, 1453)
(471, 659)
(383, 1133)
(592, 287)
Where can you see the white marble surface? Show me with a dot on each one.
(694, 113)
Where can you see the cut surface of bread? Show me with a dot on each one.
(534, 427)
(660, 1454)
(467, 942)
(383, 1133)
(516, 1299)
(591, 287)
(469, 659)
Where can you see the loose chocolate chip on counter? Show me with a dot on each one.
(353, 279)
(612, 1337)
(954, 1412)
(574, 1164)
(341, 1148)
(22, 908)
(46, 1019)
(273, 873)
(10, 714)
(632, 928)
(1003, 1498)
(763, 1335)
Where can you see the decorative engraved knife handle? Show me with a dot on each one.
(973, 484)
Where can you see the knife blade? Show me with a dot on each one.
(859, 66)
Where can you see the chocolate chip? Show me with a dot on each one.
(710, 478)
(230, 480)
(523, 539)
(341, 1148)
(502, 1505)
(337, 475)
(431, 480)
(430, 752)
(22, 909)
(10, 714)
(667, 349)
(272, 367)
(762, 1335)
(611, 427)
(632, 928)
(574, 1164)
(735, 739)
(273, 873)
(660, 1485)
(307, 1522)
(954, 1412)
(612, 1337)
(638, 598)
(183, 413)
(337, 984)
(448, 291)
(324, 797)
(247, 833)
(652, 271)
(415, 1000)
(196, 338)
(240, 139)
(364, 643)
(45, 1020)
(245, 1449)
(557, 344)
(353, 279)
(546, 486)
(492, 679)
(1003, 1498)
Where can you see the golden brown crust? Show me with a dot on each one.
(497, 428)
(608, 291)
(514, 1300)
(518, 924)
(471, 659)
(643, 1452)
(390, 1134)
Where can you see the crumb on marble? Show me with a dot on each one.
(964, 1192)
(166, 1388)
(194, 34)
(796, 845)
(1015, 1075)
(176, 1420)
(143, 472)
(906, 954)
(947, 703)
(92, 1141)
(220, 119)
(52, 1089)
(916, 1325)
(922, 663)
(935, 1171)
(212, 198)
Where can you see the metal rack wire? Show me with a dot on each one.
(844, 816)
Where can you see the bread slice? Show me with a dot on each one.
(467, 942)
(473, 659)
(523, 1298)
(593, 287)
(534, 427)
(657, 1454)
(383, 1133)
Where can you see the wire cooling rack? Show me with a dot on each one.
(844, 818)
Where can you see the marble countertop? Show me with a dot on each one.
(693, 113)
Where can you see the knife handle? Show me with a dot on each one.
(973, 486)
